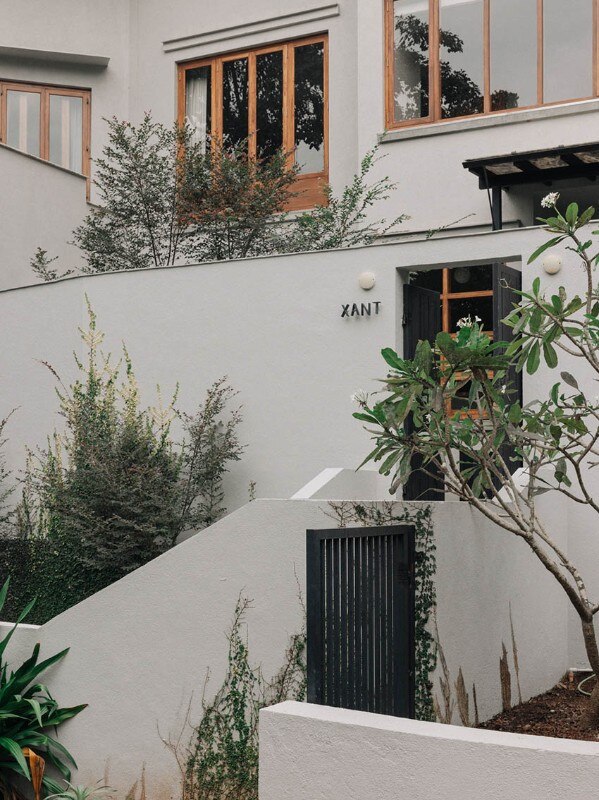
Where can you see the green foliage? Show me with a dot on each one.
(114, 490)
(27, 713)
(73, 792)
(167, 199)
(380, 514)
(469, 426)
(222, 760)
(6, 488)
(344, 221)
(41, 266)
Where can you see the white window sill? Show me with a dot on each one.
(489, 121)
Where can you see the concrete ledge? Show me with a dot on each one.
(54, 56)
(489, 121)
(309, 751)
(314, 14)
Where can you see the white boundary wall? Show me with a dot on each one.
(140, 649)
(309, 752)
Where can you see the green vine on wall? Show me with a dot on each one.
(420, 516)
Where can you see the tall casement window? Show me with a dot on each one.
(49, 122)
(447, 59)
(273, 97)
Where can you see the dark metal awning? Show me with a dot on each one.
(536, 166)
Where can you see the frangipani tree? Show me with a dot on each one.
(469, 428)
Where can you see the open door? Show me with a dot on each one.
(422, 322)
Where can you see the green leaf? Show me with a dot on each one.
(551, 243)
(550, 355)
(17, 753)
(392, 358)
(534, 359)
(515, 414)
(570, 380)
(572, 214)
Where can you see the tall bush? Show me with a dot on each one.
(114, 490)
(167, 199)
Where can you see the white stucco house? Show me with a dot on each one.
(478, 106)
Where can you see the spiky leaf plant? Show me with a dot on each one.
(29, 716)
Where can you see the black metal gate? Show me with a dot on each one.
(360, 604)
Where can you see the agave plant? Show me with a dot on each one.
(72, 792)
(29, 716)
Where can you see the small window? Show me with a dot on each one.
(449, 59)
(275, 97)
(48, 122)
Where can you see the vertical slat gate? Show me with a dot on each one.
(360, 604)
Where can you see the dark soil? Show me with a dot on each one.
(559, 713)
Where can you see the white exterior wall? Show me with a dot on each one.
(141, 648)
(144, 43)
(48, 202)
(309, 752)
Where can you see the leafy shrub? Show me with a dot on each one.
(27, 713)
(344, 221)
(114, 490)
(167, 199)
(221, 762)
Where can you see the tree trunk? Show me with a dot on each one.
(592, 649)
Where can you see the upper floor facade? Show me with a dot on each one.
(433, 82)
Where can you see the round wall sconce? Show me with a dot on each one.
(366, 280)
(552, 264)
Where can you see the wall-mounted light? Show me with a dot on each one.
(366, 280)
(552, 264)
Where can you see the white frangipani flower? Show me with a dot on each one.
(467, 322)
(550, 200)
(360, 397)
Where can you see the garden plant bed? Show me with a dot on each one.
(558, 712)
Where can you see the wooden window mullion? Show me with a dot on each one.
(289, 102)
(252, 106)
(217, 102)
(595, 46)
(540, 53)
(487, 55)
(435, 60)
(45, 124)
(445, 300)
(2, 113)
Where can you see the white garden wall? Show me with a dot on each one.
(141, 648)
(309, 752)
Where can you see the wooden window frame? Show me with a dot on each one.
(434, 115)
(310, 186)
(46, 91)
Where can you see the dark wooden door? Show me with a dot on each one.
(506, 283)
(422, 321)
(360, 619)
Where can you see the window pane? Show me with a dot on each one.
(269, 103)
(23, 121)
(410, 59)
(198, 95)
(428, 279)
(471, 279)
(309, 107)
(568, 50)
(235, 101)
(66, 132)
(461, 35)
(513, 54)
(471, 307)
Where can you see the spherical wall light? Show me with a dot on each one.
(552, 264)
(366, 280)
